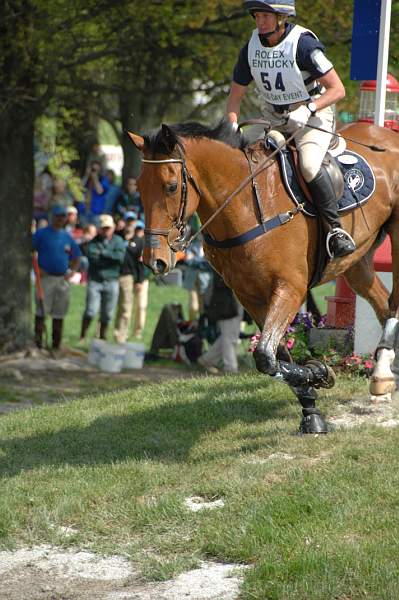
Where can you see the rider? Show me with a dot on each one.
(295, 81)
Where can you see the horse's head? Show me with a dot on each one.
(169, 195)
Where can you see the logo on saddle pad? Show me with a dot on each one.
(354, 179)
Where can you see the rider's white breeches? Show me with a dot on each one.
(312, 144)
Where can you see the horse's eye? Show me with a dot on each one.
(171, 188)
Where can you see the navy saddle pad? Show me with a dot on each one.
(359, 180)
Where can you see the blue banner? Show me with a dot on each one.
(365, 35)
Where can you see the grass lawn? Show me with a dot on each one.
(315, 517)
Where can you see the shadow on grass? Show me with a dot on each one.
(165, 433)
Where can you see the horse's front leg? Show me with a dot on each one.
(303, 380)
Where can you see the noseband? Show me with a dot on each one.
(179, 232)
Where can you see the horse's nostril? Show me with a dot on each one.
(160, 266)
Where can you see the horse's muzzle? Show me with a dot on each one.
(159, 267)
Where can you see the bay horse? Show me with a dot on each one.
(190, 168)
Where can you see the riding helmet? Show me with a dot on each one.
(283, 7)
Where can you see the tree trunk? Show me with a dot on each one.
(16, 193)
(131, 120)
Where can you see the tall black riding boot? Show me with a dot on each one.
(57, 333)
(103, 331)
(85, 326)
(39, 330)
(339, 242)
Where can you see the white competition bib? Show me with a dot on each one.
(275, 70)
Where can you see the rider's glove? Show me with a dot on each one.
(299, 117)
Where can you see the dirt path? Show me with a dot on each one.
(27, 381)
(50, 573)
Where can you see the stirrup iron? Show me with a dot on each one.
(333, 233)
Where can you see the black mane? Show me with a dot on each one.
(222, 132)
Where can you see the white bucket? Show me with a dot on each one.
(112, 357)
(95, 352)
(134, 357)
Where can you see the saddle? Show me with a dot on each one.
(351, 175)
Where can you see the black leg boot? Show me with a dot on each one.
(85, 326)
(103, 331)
(339, 242)
(57, 333)
(39, 330)
(312, 420)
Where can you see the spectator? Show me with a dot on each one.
(46, 183)
(133, 285)
(89, 232)
(58, 259)
(141, 284)
(129, 200)
(105, 254)
(96, 191)
(114, 191)
(72, 223)
(197, 277)
(96, 155)
(60, 194)
(227, 312)
(120, 225)
(40, 200)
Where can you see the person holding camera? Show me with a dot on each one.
(97, 186)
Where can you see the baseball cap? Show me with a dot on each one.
(59, 211)
(130, 214)
(72, 209)
(140, 224)
(106, 221)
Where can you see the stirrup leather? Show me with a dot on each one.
(333, 233)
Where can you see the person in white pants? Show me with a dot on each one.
(224, 308)
(224, 350)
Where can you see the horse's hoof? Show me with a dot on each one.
(382, 385)
(323, 374)
(313, 423)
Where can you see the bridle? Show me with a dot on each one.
(179, 231)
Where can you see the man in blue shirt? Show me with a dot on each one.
(58, 258)
(297, 85)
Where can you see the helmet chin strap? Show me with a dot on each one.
(264, 37)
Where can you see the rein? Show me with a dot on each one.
(333, 133)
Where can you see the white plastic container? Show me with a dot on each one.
(134, 357)
(112, 357)
(95, 352)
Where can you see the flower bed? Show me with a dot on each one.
(297, 342)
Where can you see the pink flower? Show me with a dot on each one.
(368, 364)
(253, 342)
(290, 343)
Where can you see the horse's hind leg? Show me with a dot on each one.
(364, 281)
(383, 380)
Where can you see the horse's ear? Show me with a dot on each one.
(137, 140)
(168, 137)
